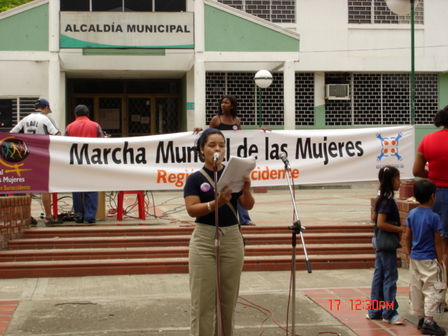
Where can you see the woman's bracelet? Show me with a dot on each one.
(209, 208)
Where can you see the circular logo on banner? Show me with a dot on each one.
(205, 187)
(13, 150)
(235, 127)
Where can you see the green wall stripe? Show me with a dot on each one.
(443, 90)
(319, 116)
(144, 52)
(70, 42)
(228, 32)
(25, 31)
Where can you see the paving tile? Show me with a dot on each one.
(405, 330)
(403, 291)
(350, 307)
(2, 303)
(371, 332)
(7, 309)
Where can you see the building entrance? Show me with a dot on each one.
(131, 114)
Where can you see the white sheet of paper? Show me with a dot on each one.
(235, 170)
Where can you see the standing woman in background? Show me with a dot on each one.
(200, 203)
(227, 120)
(433, 149)
(227, 117)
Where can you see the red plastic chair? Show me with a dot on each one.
(55, 205)
(141, 204)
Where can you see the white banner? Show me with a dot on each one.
(163, 162)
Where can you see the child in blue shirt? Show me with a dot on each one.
(427, 274)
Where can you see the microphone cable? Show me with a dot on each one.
(269, 315)
(219, 318)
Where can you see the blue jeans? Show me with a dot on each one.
(441, 207)
(243, 214)
(384, 285)
(85, 205)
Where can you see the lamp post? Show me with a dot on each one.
(263, 79)
(405, 7)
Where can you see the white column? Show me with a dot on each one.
(53, 25)
(54, 75)
(62, 122)
(199, 91)
(54, 80)
(289, 95)
(319, 99)
(189, 83)
(319, 88)
(199, 26)
(199, 66)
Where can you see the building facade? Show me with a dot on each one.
(159, 66)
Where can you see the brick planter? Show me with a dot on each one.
(15, 216)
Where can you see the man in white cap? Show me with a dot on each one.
(39, 122)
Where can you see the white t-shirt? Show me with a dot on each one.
(35, 123)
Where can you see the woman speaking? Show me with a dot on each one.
(214, 280)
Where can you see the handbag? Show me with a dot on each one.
(386, 241)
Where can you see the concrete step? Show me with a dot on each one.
(149, 241)
(144, 230)
(169, 265)
(172, 252)
(140, 249)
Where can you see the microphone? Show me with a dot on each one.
(216, 157)
(284, 158)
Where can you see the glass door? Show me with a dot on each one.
(140, 120)
(167, 114)
(109, 115)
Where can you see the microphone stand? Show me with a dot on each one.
(217, 246)
(295, 228)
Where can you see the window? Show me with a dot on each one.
(382, 99)
(377, 12)
(107, 5)
(170, 5)
(137, 6)
(279, 11)
(78, 5)
(14, 109)
(124, 5)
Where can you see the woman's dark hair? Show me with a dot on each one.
(423, 190)
(386, 176)
(200, 143)
(441, 118)
(234, 103)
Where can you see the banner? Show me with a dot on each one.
(39, 163)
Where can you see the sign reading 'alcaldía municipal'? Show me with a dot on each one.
(127, 30)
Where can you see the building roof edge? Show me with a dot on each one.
(22, 8)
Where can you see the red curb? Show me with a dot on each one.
(7, 309)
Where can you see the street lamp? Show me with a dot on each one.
(263, 79)
(405, 7)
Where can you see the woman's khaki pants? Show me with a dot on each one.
(202, 267)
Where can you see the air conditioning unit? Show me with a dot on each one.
(337, 91)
